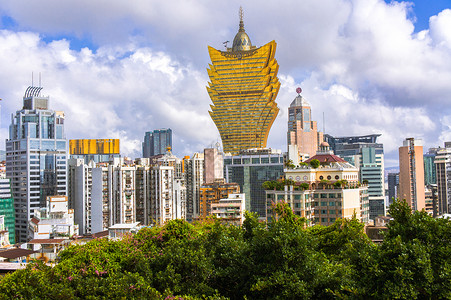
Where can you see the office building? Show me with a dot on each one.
(243, 87)
(97, 150)
(430, 176)
(157, 142)
(443, 172)
(411, 173)
(302, 130)
(368, 156)
(36, 156)
(214, 165)
(250, 169)
(7, 208)
(333, 190)
(393, 187)
(4, 233)
(213, 192)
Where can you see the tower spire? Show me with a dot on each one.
(241, 20)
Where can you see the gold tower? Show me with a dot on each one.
(243, 89)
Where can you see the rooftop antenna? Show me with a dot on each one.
(39, 79)
(32, 79)
(225, 44)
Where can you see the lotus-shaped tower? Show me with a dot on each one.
(243, 87)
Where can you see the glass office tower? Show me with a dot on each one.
(36, 157)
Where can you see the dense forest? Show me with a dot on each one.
(279, 260)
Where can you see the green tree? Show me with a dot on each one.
(314, 163)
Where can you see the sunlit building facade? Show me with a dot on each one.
(97, 150)
(243, 87)
(36, 157)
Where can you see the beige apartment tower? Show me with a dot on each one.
(411, 173)
(302, 130)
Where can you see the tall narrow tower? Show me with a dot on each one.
(302, 130)
(36, 156)
(243, 87)
(411, 173)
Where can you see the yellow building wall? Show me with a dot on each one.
(94, 146)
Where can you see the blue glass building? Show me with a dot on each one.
(36, 157)
(156, 142)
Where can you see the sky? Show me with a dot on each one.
(121, 68)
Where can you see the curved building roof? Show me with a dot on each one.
(241, 42)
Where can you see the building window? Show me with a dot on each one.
(329, 177)
(323, 203)
(332, 203)
(321, 177)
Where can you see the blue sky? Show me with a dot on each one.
(120, 68)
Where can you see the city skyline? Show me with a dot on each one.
(366, 64)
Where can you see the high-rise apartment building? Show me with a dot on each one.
(97, 150)
(7, 208)
(36, 156)
(368, 156)
(243, 87)
(250, 169)
(214, 165)
(443, 173)
(411, 173)
(157, 142)
(194, 178)
(302, 130)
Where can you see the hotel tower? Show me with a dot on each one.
(243, 87)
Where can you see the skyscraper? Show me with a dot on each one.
(250, 169)
(430, 176)
(156, 142)
(411, 173)
(393, 187)
(443, 167)
(302, 130)
(243, 87)
(36, 156)
(368, 156)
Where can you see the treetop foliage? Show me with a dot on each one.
(283, 259)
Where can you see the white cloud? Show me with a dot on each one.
(359, 61)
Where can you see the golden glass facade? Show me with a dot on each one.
(94, 146)
(243, 87)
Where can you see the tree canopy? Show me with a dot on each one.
(279, 260)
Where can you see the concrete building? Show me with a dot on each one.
(231, 209)
(333, 190)
(97, 150)
(243, 100)
(302, 130)
(194, 178)
(411, 173)
(55, 220)
(4, 233)
(7, 208)
(443, 172)
(36, 156)
(213, 192)
(214, 165)
(156, 142)
(250, 169)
